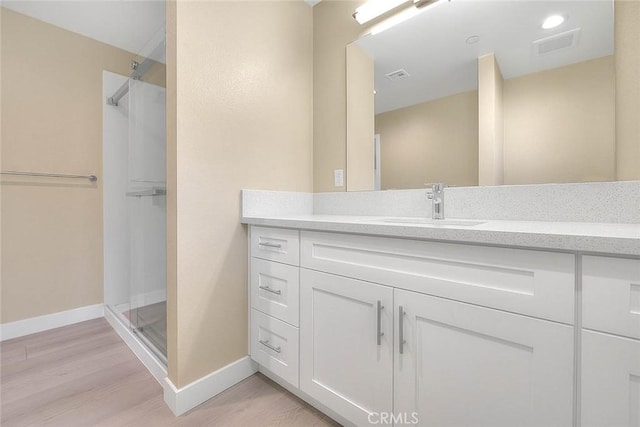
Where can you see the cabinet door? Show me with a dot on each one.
(346, 345)
(464, 365)
(610, 380)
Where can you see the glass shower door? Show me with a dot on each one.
(146, 195)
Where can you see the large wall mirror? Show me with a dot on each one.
(466, 88)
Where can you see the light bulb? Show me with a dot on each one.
(552, 21)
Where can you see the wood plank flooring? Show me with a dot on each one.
(84, 375)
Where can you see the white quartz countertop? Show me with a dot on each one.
(620, 239)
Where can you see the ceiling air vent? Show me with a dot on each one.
(397, 75)
(560, 41)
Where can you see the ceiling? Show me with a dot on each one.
(127, 24)
(432, 46)
(132, 25)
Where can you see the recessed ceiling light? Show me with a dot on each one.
(552, 21)
(473, 39)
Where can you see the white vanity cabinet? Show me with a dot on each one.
(446, 334)
(458, 364)
(610, 342)
(425, 356)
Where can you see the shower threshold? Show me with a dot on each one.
(139, 332)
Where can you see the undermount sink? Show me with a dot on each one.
(433, 222)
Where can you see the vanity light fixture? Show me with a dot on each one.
(394, 20)
(401, 16)
(552, 21)
(375, 8)
(423, 3)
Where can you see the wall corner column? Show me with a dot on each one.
(172, 200)
(491, 122)
(627, 63)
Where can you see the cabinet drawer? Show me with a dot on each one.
(534, 283)
(274, 289)
(274, 345)
(276, 244)
(611, 295)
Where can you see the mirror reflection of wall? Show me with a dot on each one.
(547, 116)
(434, 141)
(560, 124)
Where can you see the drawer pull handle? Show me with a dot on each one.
(269, 346)
(268, 289)
(270, 245)
(379, 333)
(401, 340)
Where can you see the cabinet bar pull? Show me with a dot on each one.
(268, 289)
(379, 334)
(270, 245)
(269, 346)
(401, 339)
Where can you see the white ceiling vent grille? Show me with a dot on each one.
(397, 75)
(560, 41)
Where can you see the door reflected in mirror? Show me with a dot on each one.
(481, 93)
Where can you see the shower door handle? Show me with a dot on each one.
(148, 193)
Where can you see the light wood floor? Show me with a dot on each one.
(84, 375)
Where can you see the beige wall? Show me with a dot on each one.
(333, 29)
(360, 120)
(243, 119)
(52, 122)
(560, 124)
(491, 133)
(627, 89)
(410, 136)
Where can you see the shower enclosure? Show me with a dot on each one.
(134, 196)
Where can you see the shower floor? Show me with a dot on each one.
(151, 321)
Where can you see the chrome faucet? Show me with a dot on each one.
(436, 195)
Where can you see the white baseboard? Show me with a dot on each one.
(188, 397)
(148, 359)
(50, 321)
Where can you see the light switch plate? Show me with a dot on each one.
(338, 177)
